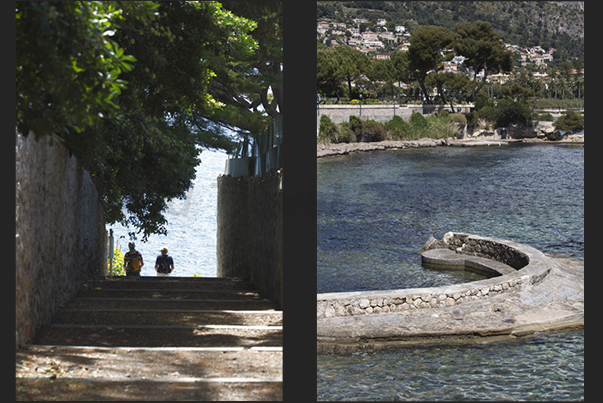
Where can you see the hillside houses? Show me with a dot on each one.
(380, 44)
(535, 55)
(338, 33)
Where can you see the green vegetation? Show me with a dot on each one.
(474, 31)
(419, 126)
(118, 262)
(570, 122)
(136, 90)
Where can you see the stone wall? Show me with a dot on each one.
(61, 239)
(488, 248)
(250, 231)
(379, 113)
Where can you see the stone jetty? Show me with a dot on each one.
(526, 292)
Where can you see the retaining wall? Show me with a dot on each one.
(379, 113)
(250, 231)
(531, 267)
(60, 236)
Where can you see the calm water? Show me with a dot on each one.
(191, 238)
(375, 211)
(544, 367)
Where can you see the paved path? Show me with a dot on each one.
(157, 339)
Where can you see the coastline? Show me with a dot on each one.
(330, 150)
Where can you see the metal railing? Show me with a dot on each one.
(258, 155)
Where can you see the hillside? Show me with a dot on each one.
(556, 24)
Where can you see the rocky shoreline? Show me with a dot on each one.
(330, 150)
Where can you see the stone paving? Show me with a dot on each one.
(153, 338)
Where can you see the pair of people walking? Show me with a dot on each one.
(133, 262)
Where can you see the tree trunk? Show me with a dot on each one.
(424, 90)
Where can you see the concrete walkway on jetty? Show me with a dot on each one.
(527, 292)
(150, 338)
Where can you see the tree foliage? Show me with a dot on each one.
(427, 44)
(483, 49)
(128, 87)
(244, 85)
(67, 64)
(342, 62)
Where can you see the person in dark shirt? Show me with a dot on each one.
(164, 265)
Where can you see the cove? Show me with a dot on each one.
(376, 210)
(379, 208)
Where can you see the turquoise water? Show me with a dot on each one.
(375, 212)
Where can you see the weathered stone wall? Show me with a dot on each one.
(250, 231)
(488, 248)
(379, 113)
(61, 239)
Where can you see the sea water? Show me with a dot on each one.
(191, 225)
(375, 212)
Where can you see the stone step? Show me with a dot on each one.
(170, 304)
(150, 363)
(160, 336)
(88, 373)
(153, 293)
(167, 283)
(171, 317)
(121, 390)
(153, 338)
(449, 259)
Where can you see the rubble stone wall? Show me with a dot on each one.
(250, 231)
(61, 240)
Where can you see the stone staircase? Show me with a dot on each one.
(154, 338)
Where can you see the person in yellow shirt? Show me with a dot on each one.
(133, 261)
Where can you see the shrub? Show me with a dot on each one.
(327, 132)
(397, 128)
(458, 118)
(489, 113)
(472, 118)
(118, 262)
(417, 121)
(356, 127)
(570, 122)
(345, 134)
(545, 117)
(516, 113)
(373, 131)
